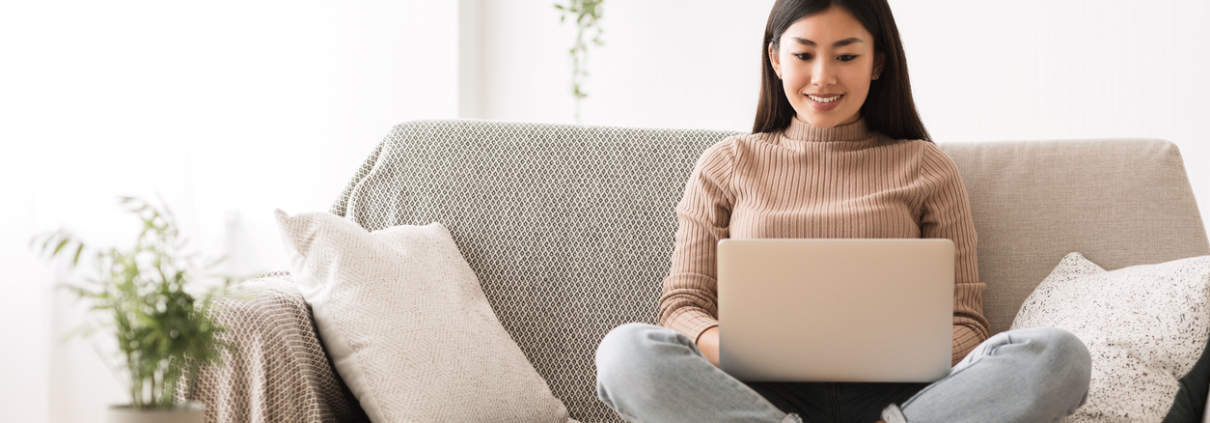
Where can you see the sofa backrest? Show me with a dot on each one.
(570, 229)
(1119, 202)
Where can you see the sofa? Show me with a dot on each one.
(570, 230)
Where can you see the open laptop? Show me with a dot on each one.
(836, 310)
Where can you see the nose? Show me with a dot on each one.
(821, 75)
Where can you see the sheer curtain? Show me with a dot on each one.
(228, 109)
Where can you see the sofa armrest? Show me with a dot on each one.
(279, 371)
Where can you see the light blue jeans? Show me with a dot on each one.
(650, 374)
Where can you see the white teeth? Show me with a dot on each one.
(824, 99)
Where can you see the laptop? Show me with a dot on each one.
(835, 310)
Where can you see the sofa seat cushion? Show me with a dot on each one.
(1145, 327)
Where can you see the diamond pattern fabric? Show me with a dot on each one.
(280, 372)
(568, 228)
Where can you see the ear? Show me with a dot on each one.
(775, 61)
(879, 61)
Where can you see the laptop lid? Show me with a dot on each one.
(836, 310)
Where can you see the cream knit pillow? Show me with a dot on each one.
(1144, 326)
(408, 327)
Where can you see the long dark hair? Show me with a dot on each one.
(888, 108)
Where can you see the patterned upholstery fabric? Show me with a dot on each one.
(280, 372)
(570, 229)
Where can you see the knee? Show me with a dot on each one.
(1066, 356)
(1063, 367)
(628, 352)
(622, 345)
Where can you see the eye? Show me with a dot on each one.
(847, 57)
(803, 56)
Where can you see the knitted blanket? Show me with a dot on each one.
(279, 372)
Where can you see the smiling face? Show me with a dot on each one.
(826, 62)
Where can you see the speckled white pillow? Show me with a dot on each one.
(408, 328)
(1145, 326)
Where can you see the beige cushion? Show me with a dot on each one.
(1119, 202)
(408, 327)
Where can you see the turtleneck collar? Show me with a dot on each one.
(802, 131)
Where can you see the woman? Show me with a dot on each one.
(837, 151)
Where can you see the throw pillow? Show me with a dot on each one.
(1145, 328)
(408, 327)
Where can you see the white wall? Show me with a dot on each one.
(24, 311)
(229, 108)
(1036, 69)
(670, 64)
(981, 71)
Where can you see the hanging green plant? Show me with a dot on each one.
(586, 13)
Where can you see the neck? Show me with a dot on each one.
(803, 131)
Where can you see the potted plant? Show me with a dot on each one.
(150, 299)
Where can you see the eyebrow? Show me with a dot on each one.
(840, 43)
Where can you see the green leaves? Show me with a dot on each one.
(164, 333)
(586, 13)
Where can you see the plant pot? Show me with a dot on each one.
(190, 412)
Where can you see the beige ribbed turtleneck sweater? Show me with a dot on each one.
(809, 182)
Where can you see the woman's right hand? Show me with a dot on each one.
(708, 344)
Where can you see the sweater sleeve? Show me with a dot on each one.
(947, 214)
(689, 303)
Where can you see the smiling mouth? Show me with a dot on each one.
(825, 99)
